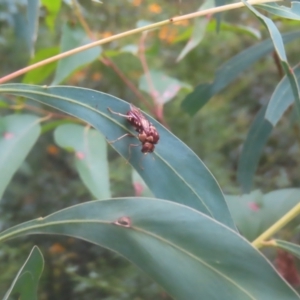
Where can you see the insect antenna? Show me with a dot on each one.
(119, 138)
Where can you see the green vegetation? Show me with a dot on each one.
(85, 214)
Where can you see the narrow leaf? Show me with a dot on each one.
(90, 156)
(198, 31)
(292, 13)
(172, 172)
(229, 71)
(256, 139)
(26, 282)
(281, 99)
(186, 252)
(73, 37)
(33, 21)
(18, 134)
(289, 247)
(279, 47)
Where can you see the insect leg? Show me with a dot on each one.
(119, 138)
(116, 113)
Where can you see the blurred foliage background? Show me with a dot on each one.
(47, 181)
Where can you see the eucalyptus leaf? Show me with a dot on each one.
(281, 99)
(172, 172)
(229, 71)
(26, 282)
(18, 134)
(279, 48)
(33, 22)
(90, 156)
(292, 12)
(198, 31)
(287, 246)
(256, 139)
(186, 252)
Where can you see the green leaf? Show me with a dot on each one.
(281, 99)
(33, 22)
(283, 11)
(90, 156)
(49, 126)
(279, 48)
(52, 9)
(186, 252)
(229, 71)
(254, 213)
(172, 172)
(140, 187)
(161, 86)
(25, 283)
(256, 139)
(38, 75)
(289, 247)
(198, 31)
(26, 25)
(73, 37)
(18, 134)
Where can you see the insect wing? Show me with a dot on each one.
(145, 125)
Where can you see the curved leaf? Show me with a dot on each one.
(279, 48)
(229, 71)
(281, 99)
(256, 139)
(18, 134)
(90, 156)
(175, 173)
(73, 37)
(255, 213)
(289, 247)
(33, 21)
(26, 282)
(198, 31)
(292, 13)
(186, 252)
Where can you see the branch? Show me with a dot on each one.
(210, 11)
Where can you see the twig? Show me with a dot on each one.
(293, 213)
(107, 61)
(128, 33)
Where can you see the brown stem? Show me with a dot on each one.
(158, 110)
(108, 62)
(129, 84)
